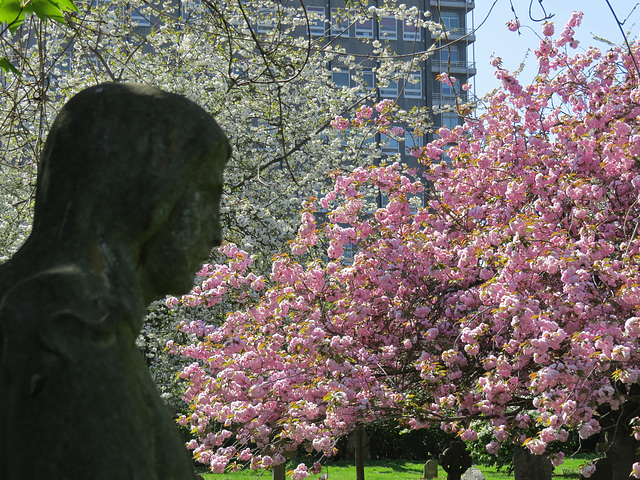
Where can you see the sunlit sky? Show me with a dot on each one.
(493, 37)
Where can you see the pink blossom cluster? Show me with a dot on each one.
(365, 115)
(510, 297)
(513, 25)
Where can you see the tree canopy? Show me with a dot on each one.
(509, 297)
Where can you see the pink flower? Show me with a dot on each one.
(446, 79)
(589, 469)
(245, 455)
(340, 123)
(492, 447)
(300, 472)
(557, 459)
(364, 112)
(384, 105)
(537, 446)
(513, 25)
(469, 435)
(548, 29)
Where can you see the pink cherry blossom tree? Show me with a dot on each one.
(503, 287)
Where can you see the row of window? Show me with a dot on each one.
(137, 18)
(388, 27)
(341, 26)
(342, 77)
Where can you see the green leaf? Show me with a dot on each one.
(52, 9)
(7, 66)
(11, 13)
(47, 9)
(66, 6)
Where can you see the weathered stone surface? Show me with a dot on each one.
(604, 470)
(455, 460)
(527, 466)
(473, 474)
(430, 469)
(126, 208)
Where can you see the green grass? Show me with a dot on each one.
(398, 470)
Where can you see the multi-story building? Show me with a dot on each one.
(453, 55)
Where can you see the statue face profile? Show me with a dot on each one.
(171, 257)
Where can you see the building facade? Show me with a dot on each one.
(452, 54)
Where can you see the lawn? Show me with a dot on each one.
(397, 470)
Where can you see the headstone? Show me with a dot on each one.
(126, 209)
(430, 469)
(455, 460)
(604, 470)
(527, 466)
(473, 474)
(623, 450)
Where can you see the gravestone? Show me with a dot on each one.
(430, 469)
(455, 460)
(126, 209)
(624, 448)
(473, 474)
(527, 466)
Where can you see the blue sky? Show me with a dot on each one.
(493, 37)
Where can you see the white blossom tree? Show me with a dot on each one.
(251, 64)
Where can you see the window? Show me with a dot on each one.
(90, 61)
(266, 21)
(365, 28)
(412, 141)
(450, 120)
(138, 19)
(339, 23)
(450, 52)
(341, 77)
(390, 91)
(450, 21)
(317, 22)
(445, 154)
(449, 91)
(388, 145)
(388, 28)
(414, 90)
(190, 9)
(367, 80)
(411, 32)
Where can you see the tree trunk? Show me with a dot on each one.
(359, 434)
(279, 471)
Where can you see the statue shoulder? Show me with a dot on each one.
(57, 306)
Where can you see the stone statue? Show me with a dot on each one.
(126, 208)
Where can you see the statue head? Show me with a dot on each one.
(131, 178)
